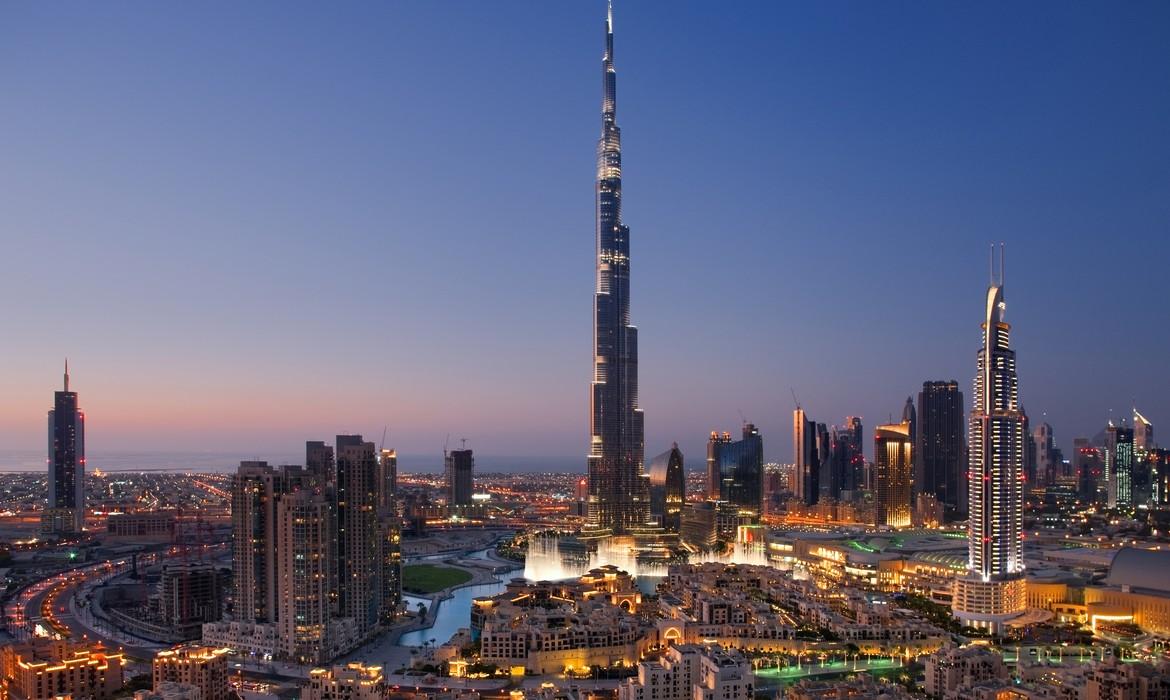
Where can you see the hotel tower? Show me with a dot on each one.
(617, 499)
(992, 590)
(65, 511)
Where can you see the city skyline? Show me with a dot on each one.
(701, 364)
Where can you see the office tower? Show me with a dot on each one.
(1143, 432)
(1029, 450)
(458, 468)
(1088, 466)
(714, 444)
(992, 591)
(616, 447)
(910, 417)
(806, 458)
(1160, 475)
(203, 667)
(359, 544)
(846, 472)
(938, 449)
(739, 467)
(668, 487)
(65, 508)
(893, 462)
(319, 460)
(1119, 465)
(1047, 461)
(304, 539)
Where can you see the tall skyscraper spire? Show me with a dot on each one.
(993, 589)
(66, 374)
(616, 498)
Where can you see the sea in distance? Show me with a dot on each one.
(30, 461)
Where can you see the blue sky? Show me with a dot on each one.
(252, 225)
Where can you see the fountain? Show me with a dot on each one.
(546, 560)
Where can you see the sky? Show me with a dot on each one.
(249, 225)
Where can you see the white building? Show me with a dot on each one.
(691, 672)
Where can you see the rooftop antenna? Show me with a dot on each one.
(445, 442)
(1002, 269)
(991, 266)
(463, 443)
(66, 374)
(741, 417)
(794, 399)
(383, 445)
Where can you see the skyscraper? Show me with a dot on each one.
(616, 501)
(846, 472)
(65, 508)
(1047, 467)
(1119, 464)
(1143, 432)
(805, 457)
(992, 591)
(668, 487)
(938, 449)
(910, 418)
(304, 539)
(458, 466)
(714, 444)
(740, 469)
(893, 464)
(359, 545)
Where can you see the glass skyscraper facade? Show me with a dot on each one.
(938, 449)
(739, 467)
(65, 511)
(617, 498)
(668, 487)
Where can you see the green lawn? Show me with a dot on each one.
(428, 578)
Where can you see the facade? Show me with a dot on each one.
(951, 669)
(668, 488)
(1047, 462)
(46, 669)
(616, 499)
(1119, 465)
(65, 507)
(739, 468)
(190, 594)
(359, 557)
(894, 467)
(806, 457)
(304, 542)
(992, 591)
(691, 672)
(938, 448)
(205, 668)
(353, 681)
(846, 472)
(319, 460)
(714, 444)
(149, 526)
(458, 468)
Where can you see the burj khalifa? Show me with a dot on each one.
(617, 498)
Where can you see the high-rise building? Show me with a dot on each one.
(616, 501)
(189, 594)
(938, 448)
(391, 535)
(1159, 460)
(65, 508)
(714, 444)
(893, 462)
(668, 487)
(304, 543)
(1047, 460)
(806, 457)
(359, 544)
(992, 591)
(1119, 465)
(1143, 432)
(1089, 468)
(319, 460)
(738, 468)
(846, 472)
(459, 467)
(910, 418)
(254, 490)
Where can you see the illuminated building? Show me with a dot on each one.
(691, 672)
(1143, 432)
(714, 443)
(1159, 460)
(1047, 456)
(353, 681)
(50, 669)
(65, 508)
(1089, 469)
(894, 467)
(1119, 465)
(668, 488)
(738, 469)
(950, 669)
(846, 468)
(938, 449)
(304, 542)
(357, 492)
(458, 466)
(391, 536)
(616, 500)
(203, 667)
(319, 460)
(806, 458)
(992, 591)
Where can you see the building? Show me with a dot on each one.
(65, 507)
(1114, 680)
(304, 532)
(359, 546)
(806, 457)
(951, 669)
(156, 526)
(190, 594)
(1047, 456)
(714, 443)
(319, 460)
(938, 447)
(353, 681)
(893, 462)
(668, 488)
(1143, 432)
(738, 469)
(1119, 465)
(846, 464)
(458, 466)
(256, 488)
(616, 501)
(992, 591)
(706, 524)
(691, 672)
(203, 667)
(45, 669)
(1089, 468)
(170, 691)
(1159, 461)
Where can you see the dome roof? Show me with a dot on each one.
(1147, 569)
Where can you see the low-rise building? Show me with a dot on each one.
(204, 667)
(349, 682)
(956, 668)
(50, 668)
